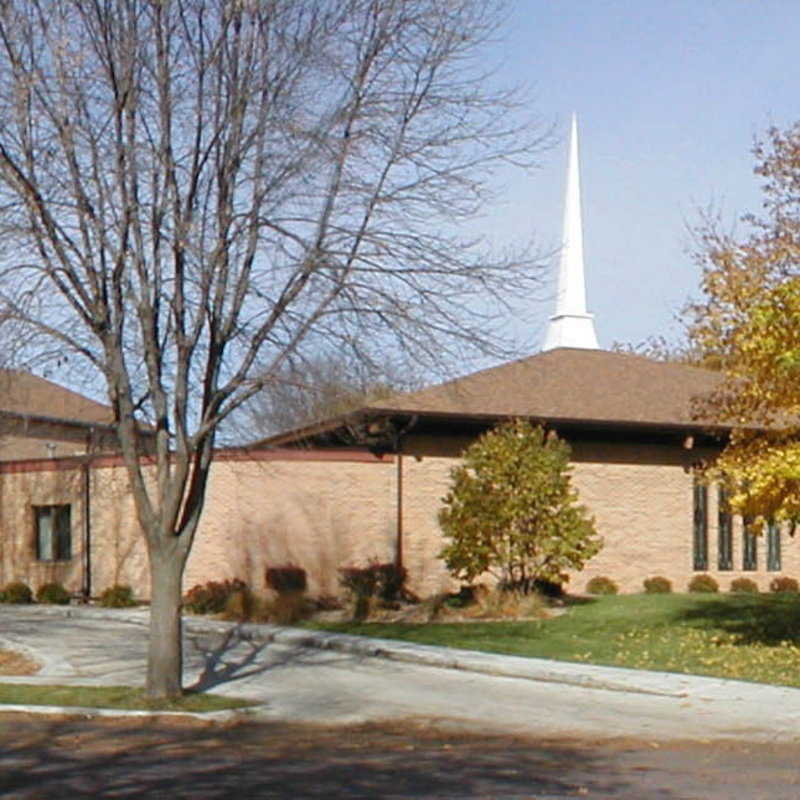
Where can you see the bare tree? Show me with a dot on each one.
(192, 191)
(320, 387)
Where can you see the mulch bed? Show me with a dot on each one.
(13, 663)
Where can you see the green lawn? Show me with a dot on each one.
(116, 697)
(748, 637)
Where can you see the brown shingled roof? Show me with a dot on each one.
(569, 384)
(29, 395)
(565, 385)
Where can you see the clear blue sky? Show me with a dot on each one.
(670, 95)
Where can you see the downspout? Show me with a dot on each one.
(398, 451)
(398, 550)
(87, 531)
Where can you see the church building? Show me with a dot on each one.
(634, 437)
(368, 484)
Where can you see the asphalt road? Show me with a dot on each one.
(43, 757)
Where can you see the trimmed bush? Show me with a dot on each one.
(117, 596)
(211, 597)
(391, 581)
(289, 608)
(601, 584)
(783, 585)
(16, 592)
(385, 581)
(658, 584)
(241, 605)
(744, 586)
(703, 584)
(287, 578)
(53, 594)
(362, 584)
(327, 602)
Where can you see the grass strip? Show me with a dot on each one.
(126, 698)
(745, 637)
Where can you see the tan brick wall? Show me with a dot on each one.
(317, 514)
(321, 515)
(19, 493)
(324, 514)
(641, 499)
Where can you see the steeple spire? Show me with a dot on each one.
(571, 326)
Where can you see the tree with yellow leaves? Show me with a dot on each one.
(513, 512)
(750, 323)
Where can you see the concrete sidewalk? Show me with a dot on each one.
(317, 676)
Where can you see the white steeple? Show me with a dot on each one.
(571, 326)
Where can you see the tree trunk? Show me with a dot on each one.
(165, 659)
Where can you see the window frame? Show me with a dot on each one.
(749, 546)
(773, 536)
(700, 527)
(54, 543)
(724, 532)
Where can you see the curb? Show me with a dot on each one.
(587, 676)
(614, 679)
(87, 712)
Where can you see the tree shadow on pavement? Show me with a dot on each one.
(155, 758)
(234, 656)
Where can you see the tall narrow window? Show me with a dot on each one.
(749, 548)
(773, 547)
(53, 533)
(700, 534)
(724, 532)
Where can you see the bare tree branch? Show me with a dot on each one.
(206, 191)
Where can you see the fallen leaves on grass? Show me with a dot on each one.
(705, 652)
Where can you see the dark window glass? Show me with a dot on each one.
(53, 533)
(724, 532)
(749, 548)
(773, 547)
(700, 534)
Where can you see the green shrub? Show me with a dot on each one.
(286, 579)
(658, 584)
(744, 586)
(783, 585)
(512, 511)
(600, 584)
(53, 594)
(211, 597)
(117, 596)
(16, 592)
(703, 584)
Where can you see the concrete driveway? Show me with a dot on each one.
(301, 676)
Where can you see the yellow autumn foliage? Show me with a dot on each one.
(750, 321)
